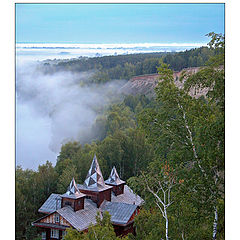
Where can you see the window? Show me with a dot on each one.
(56, 218)
(68, 203)
(55, 233)
(44, 236)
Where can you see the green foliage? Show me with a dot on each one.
(73, 234)
(191, 58)
(102, 230)
(188, 134)
(65, 178)
(128, 151)
(149, 225)
(32, 189)
(46, 180)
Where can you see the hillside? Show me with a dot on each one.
(145, 84)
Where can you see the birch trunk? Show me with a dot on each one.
(166, 218)
(164, 202)
(215, 222)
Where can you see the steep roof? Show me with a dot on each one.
(80, 219)
(51, 204)
(114, 178)
(120, 212)
(73, 191)
(128, 197)
(54, 200)
(94, 180)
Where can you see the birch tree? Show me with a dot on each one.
(160, 186)
(189, 131)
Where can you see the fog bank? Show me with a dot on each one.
(54, 109)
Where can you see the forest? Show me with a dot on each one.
(126, 66)
(169, 148)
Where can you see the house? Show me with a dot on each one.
(78, 207)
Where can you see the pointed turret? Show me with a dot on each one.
(94, 177)
(114, 178)
(73, 189)
(94, 185)
(115, 181)
(73, 197)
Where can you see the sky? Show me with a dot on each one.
(117, 23)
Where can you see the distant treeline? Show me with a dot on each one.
(126, 66)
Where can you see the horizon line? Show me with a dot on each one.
(115, 44)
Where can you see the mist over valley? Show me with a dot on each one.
(59, 99)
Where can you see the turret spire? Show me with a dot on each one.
(94, 177)
(114, 178)
(72, 188)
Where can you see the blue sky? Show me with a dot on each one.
(117, 23)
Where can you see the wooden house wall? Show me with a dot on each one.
(76, 204)
(134, 215)
(119, 189)
(50, 219)
(124, 230)
(105, 195)
(129, 228)
(98, 197)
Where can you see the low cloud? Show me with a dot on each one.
(62, 103)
